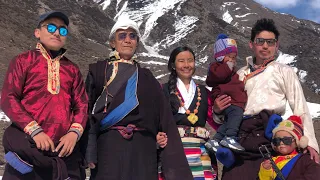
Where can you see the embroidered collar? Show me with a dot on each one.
(256, 69)
(115, 57)
(114, 61)
(53, 69)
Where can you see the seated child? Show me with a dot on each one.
(224, 80)
(287, 141)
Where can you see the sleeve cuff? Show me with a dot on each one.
(32, 128)
(77, 128)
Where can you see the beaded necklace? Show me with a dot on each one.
(192, 117)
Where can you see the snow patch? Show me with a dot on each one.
(153, 55)
(204, 59)
(313, 108)
(162, 75)
(227, 17)
(302, 74)
(199, 78)
(183, 27)
(3, 117)
(241, 16)
(286, 58)
(153, 62)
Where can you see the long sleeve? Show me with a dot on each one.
(12, 94)
(294, 94)
(218, 73)
(91, 151)
(266, 174)
(79, 100)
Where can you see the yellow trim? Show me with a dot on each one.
(53, 70)
(32, 126)
(77, 126)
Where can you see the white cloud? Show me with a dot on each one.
(279, 3)
(315, 4)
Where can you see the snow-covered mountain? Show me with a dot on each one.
(164, 25)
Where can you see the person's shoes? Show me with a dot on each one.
(231, 143)
(212, 145)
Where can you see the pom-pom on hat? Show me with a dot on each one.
(293, 125)
(224, 46)
(124, 23)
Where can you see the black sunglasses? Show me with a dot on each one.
(123, 35)
(51, 28)
(261, 41)
(286, 141)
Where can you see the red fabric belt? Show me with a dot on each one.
(127, 131)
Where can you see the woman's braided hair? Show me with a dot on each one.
(172, 82)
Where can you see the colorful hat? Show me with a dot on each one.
(124, 23)
(293, 125)
(224, 46)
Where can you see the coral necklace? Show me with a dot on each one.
(192, 117)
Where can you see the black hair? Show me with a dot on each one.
(264, 25)
(172, 82)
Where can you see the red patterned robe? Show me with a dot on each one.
(44, 94)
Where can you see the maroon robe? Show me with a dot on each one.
(226, 82)
(27, 102)
(33, 107)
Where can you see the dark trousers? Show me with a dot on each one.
(232, 120)
(46, 165)
(251, 137)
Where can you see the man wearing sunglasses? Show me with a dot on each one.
(128, 109)
(269, 85)
(44, 96)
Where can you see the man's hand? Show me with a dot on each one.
(43, 142)
(162, 139)
(313, 154)
(266, 164)
(221, 103)
(67, 143)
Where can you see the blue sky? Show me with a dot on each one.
(303, 9)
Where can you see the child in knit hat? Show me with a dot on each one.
(287, 139)
(224, 80)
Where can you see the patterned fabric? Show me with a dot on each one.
(198, 159)
(25, 97)
(31, 127)
(197, 132)
(53, 70)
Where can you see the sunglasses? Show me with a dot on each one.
(261, 41)
(286, 141)
(51, 28)
(122, 36)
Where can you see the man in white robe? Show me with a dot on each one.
(269, 85)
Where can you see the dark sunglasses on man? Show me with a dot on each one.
(261, 41)
(123, 35)
(286, 141)
(51, 28)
